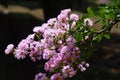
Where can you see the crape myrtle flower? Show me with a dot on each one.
(9, 48)
(88, 22)
(68, 71)
(56, 76)
(40, 76)
(55, 46)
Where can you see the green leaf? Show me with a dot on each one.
(93, 29)
(108, 16)
(101, 12)
(78, 24)
(78, 36)
(90, 11)
(107, 35)
(98, 38)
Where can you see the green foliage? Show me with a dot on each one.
(107, 15)
(106, 35)
(91, 11)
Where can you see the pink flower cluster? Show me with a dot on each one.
(88, 22)
(55, 45)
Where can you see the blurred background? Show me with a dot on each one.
(19, 17)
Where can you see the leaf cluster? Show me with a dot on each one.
(106, 15)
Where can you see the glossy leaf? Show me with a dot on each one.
(90, 11)
(107, 35)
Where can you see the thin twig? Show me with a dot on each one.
(108, 27)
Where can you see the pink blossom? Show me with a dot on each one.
(20, 54)
(36, 29)
(87, 65)
(56, 46)
(73, 24)
(57, 60)
(68, 71)
(63, 17)
(35, 52)
(49, 33)
(47, 54)
(56, 76)
(82, 69)
(30, 38)
(83, 66)
(9, 48)
(40, 29)
(74, 17)
(88, 22)
(54, 63)
(23, 45)
(22, 50)
(51, 21)
(40, 76)
(50, 66)
(71, 41)
(65, 11)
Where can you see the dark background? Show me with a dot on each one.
(104, 63)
